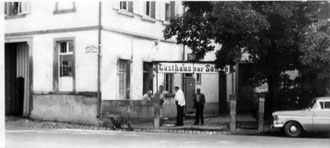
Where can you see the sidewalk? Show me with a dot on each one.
(213, 125)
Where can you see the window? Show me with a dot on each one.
(126, 5)
(169, 10)
(65, 7)
(147, 77)
(64, 65)
(14, 9)
(169, 82)
(325, 105)
(151, 8)
(198, 78)
(124, 79)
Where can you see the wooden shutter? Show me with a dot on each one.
(115, 4)
(25, 7)
(153, 9)
(172, 9)
(136, 7)
(6, 7)
(130, 6)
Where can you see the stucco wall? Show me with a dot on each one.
(65, 107)
(41, 17)
(117, 46)
(85, 63)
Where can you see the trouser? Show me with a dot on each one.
(199, 113)
(179, 116)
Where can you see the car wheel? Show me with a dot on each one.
(293, 129)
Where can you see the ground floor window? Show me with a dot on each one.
(169, 82)
(64, 65)
(124, 80)
(147, 77)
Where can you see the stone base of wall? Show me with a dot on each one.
(73, 108)
(128, 110)
(211, 108)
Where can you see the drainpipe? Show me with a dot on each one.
(99, 63)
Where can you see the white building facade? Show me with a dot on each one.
(79, 61)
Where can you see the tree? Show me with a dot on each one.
(315, 73)
(270, 32)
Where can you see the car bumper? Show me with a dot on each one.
(277, 124)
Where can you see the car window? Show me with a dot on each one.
(327, 105)
(311, 104)
(322, 105)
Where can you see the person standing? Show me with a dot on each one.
(162, 96)
(199, 101)
(180, 103)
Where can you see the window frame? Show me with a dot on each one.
(20, 14)
(198, 78)
(56, 64)
(150, 11)
(61, 11)
(129, 6)
(127, 79)
(169, 85)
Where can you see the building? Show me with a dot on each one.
(79, 61)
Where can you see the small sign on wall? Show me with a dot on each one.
(91, 49)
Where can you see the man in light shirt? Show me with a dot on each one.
(180, 103)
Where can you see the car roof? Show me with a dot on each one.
(323, 98)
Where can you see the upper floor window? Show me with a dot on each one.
(16, 9)
(150, 9)
(126, 5)
(65, 7)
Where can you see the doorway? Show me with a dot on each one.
(189, 90)
(17, 79)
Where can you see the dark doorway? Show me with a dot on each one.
(16, 78)
(189, 91)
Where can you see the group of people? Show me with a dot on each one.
(180, 101)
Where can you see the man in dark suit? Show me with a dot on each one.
(199, 100)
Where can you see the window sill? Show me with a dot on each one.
(15, 16)
(148, 19)
(124, 12)
(64, 11)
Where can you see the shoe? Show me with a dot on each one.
(195, 123)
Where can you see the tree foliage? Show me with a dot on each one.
(271, 32)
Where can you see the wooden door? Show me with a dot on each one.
(189, 91)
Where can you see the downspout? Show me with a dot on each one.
(99, 63)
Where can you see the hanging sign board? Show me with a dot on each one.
(189, 68)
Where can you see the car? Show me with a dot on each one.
(314, 118)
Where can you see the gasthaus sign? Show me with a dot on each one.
(190, 68)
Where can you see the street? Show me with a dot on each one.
(73, 138)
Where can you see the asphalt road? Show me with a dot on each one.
(46, 138)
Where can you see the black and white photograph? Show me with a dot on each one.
(164, 74)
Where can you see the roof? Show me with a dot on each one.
(323, 98)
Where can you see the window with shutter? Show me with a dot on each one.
(126, 5)
(65, 7)
(16, 9)
(151, 9)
